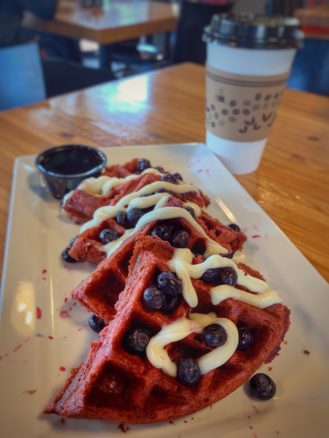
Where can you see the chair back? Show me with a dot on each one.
(193, 18)
(21, 76)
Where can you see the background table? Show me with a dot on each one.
(116, 21)
(167, 106)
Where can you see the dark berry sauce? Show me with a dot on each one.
(71, 160)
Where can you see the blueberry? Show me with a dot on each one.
(262, 386)
(245, 337)
(96, 323)
(169, 177)
(191, 211)
(180, 239)
(133, 216)
(138, 339)
(159, 168)
(228, 255)
(153, 298)
(212, 275)
(178, 176)
(121, 218)
(229, 276)
(66, 256)
(235, 227)
(169, 283)
(163, 231)
(226, 275)
(108, 235)
(199, 247)
(214, 335)
(188, 371)
(143, 164)
(171, 304)
(72, 241)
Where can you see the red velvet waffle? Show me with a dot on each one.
(88, 247)
(114, 384)
(81, 205)
(100, 291)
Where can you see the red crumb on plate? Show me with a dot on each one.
(38, 313)
(61, 368)
(16, 348)
(64, 314)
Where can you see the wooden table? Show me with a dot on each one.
(167, 106)
(116, 21)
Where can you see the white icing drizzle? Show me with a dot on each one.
(181, 264)
(179, 329)
(261, 300)
(164, 213)
(103, 184)
(107, 212)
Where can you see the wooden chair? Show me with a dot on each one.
(21, 76)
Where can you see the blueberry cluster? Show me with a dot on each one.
(164, 296)
(217, 276)
(177, 238)
(172, 178)
(143, 164)
(130, 218)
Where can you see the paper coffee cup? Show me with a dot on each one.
(245, 80)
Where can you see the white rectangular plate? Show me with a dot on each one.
(43, 334)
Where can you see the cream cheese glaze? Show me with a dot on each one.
(181, 264)
(102, 185)
(107, 212)
(180, 329)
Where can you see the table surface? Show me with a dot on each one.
(167, 106)
(115, 21)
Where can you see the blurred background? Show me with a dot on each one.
(40, 58)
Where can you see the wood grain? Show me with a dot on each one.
(114, 22)
(167, 106)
